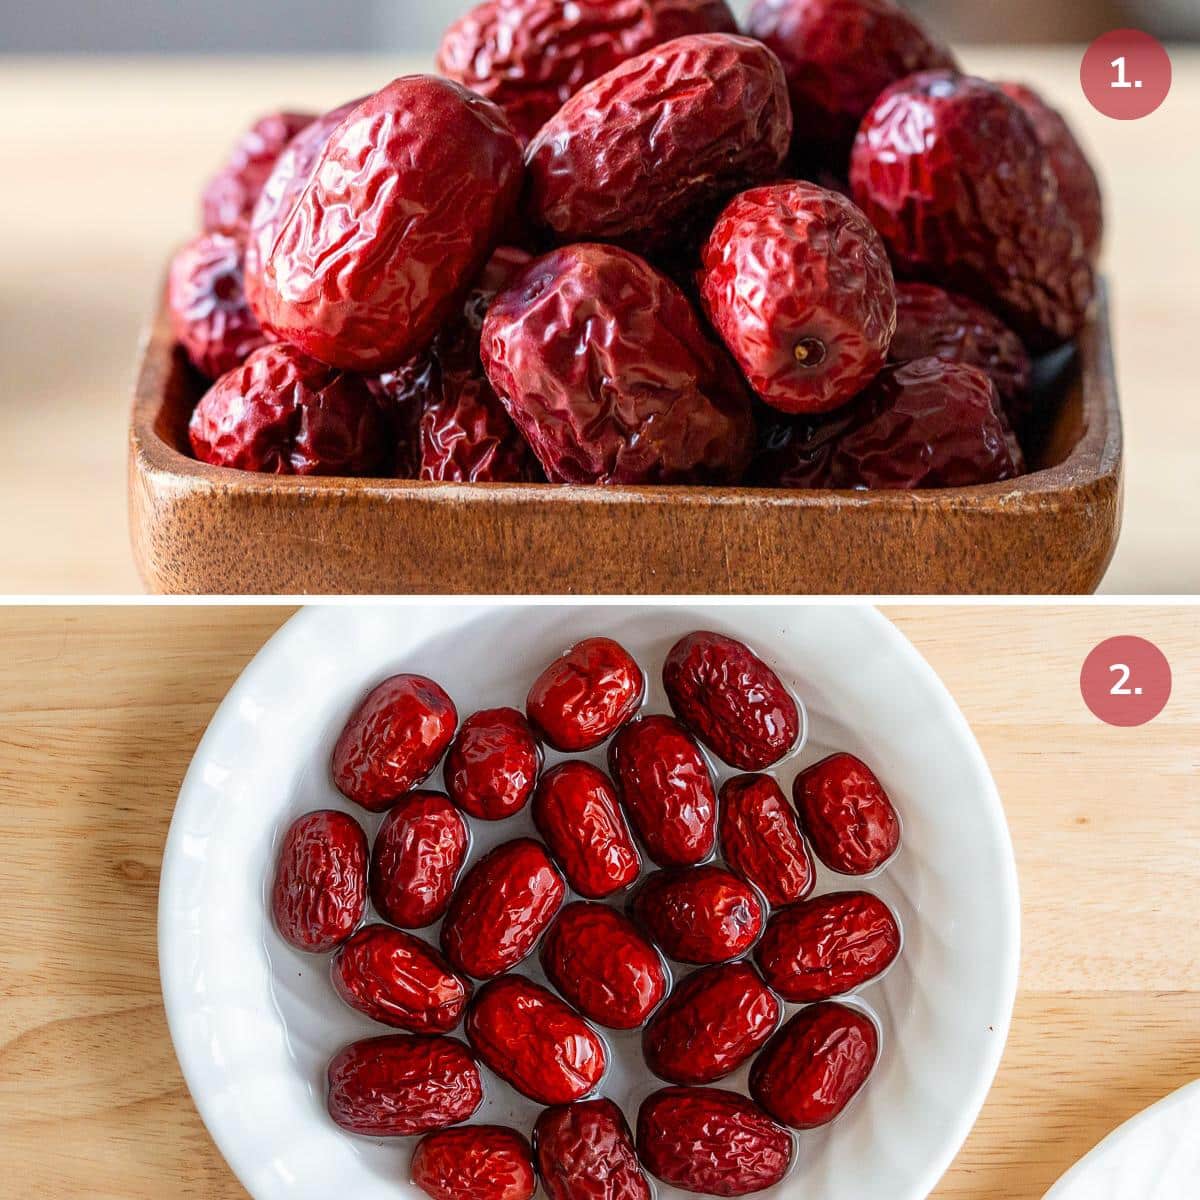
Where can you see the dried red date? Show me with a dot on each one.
(815, 1065)
(283, 413)
(406, 203)
(711, 1141)
(828, 946)
(636, 156)
(531, 56)
(798, 284)
(731, 700)
(501, 908)
(847, 814)
(579, 817)
(493, 764)
(481, 1162)
(320, 890)
(597, 959)
(401, 1085)
(535, 1042)
(699, 914)
(399, 980)
(761, 839)
(585, 1151)
(585, 695)
(419, 851)
(603, 365)
(665, 787)
(712, 1023)
(393, 741)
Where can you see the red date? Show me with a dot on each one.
(848, 816)
(585, 1151)
(403, 396)
(762, 842)
(481, 1162)
(493, 764)
(699, 914)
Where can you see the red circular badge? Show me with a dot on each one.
(1126, 74)
(1126, 681)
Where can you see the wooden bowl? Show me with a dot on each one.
(202, 529)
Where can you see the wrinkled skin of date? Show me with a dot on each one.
(320, 890)
(393, 741)
(666, 790)
(794, 452)
(407, 201)
(761, 839)
(535, 1042)
(481, 1162)
(731, 700)
(712, 1023)
(847, 814)
(639, 154)
(399, 980)
(531, 56)
(493, 764)
(501, 908)
(951, 173)
(603, 365)
(585, 695)
(207, 300)
(401, 1085)
(283, 413)
(711, 1141)
(815, 1065)
(577, 812)
(229, 199)
(699, 914)
(798, 285)
(599, 961)
(585, 1151)
(828, 946)
(419, 851)
(838, 55)
(403, 395)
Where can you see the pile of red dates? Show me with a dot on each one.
(730, 893)
(619, 241)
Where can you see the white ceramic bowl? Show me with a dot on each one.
(255, 1022)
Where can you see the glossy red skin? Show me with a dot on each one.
(731, 700)
(577, 812)
(406, 203)
(399, 980)
(403, 396)
(535, 1042)
(838, 55)
(828, 946)
(320, 890)
(493, 764)
(798, 284)
(531, 56)
(666, 790)
(848, 816)
(393, 741)
(585, 695)
(815, 1065)
(229, 199)
(481, 1162)
(585, 1151)
(761, 839)
(712, 1023)
(601, 964)
(951, 173)
(419, 851)
(207, 300)
(401, 1084)
(504, 904)
(711, 1141)
(699, 914)
(1078, 186)
(638, 155)
(604, 367)
(283, 413)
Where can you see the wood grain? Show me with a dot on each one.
(101, 709)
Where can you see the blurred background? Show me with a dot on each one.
(415, 25)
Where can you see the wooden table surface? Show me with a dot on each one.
(104, 160)
(101, 709)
